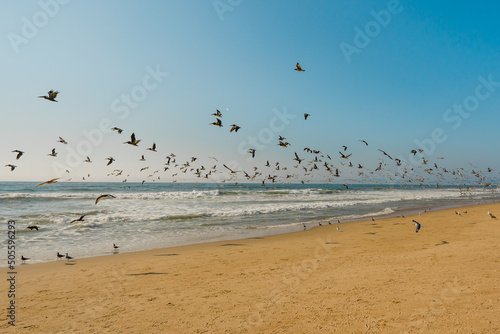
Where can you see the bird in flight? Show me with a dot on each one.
(77, 220)
(217, 114)
(152, 148)
(364, 142)
(110, 161)
(48, 182)
(88, 160)
(54, 153)
(142, 158)
(491, 215)
(297, 158)
(234, 128)
(386, 154)
(132, 140)
(19, 154)
(217, 122)
(116, 129)
(103, 196)
(12, 167)
(51, 95)
(298, 68)
(62, 141)
(306, 115)
(252, 152)
(344, 156)
(418, 226)
(33, 227)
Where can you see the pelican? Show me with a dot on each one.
(298, 68)
(88, 160)
(110, 161)
(306, 115)
(142, 158)
(234, 128)
(217, 123)
(77, 220)
(344, 156)
(48, 182)
(19, 154)
(152, 148)
(51, 95)
(54, 153)
(116, 129)
(217, 114)
(103, 196)
(252, 152)
(132, 140)
(62, 141)
(297, 158)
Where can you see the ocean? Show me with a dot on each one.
(157, 215)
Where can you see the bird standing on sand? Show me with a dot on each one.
(115, 246)
(59, 256)
(24, 258)
(418, 226)
(51, 95)
(68, 257)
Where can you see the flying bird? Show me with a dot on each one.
(217, 122)
(418, 226)
(297, 158)
(298, 68)
(12, 167)
(32, 227)
(491, 215)
(152, 148)
(132, 140)
(77, 220)
(116, 129)
(51, 95)
(252, 152)
(54, 153)
(48, 182)
(217, 114)
(110, 161)
(306, 115)
(19, 154)
(234, 128)
(103, 196)
(62, 141)
(88, 160)
(364, 142)
(344, 156)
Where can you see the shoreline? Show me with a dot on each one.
(371, 276)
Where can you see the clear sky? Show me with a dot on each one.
(401, 75)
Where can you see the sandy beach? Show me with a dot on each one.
(370, 277)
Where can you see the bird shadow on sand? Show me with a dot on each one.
(442, 243)
(146, 274)
(233, 245)
(171, 254)
(70, 263)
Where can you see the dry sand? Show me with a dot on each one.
(372, 277)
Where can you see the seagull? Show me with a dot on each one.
(103, 196)
(115, 246)
(418, 225)
(68, 257)
(62, 141)
(338, 228)
(19, 154)
(306, 115)
(54, 153)
(132, 140)
(364, 142)
(59, 255)
(12, 167)
(33, 227)
(217, 123)
(24, 258)
(252, 152)
(110, 161)
(51, 95)
(152, 148)
(298, 68)
(491, 215)
(116, 129)
(234, 128)
(217, 114)
(77, 220)
(48, 182)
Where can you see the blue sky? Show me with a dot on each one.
(238, 57)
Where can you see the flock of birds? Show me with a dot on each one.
(310, 165)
